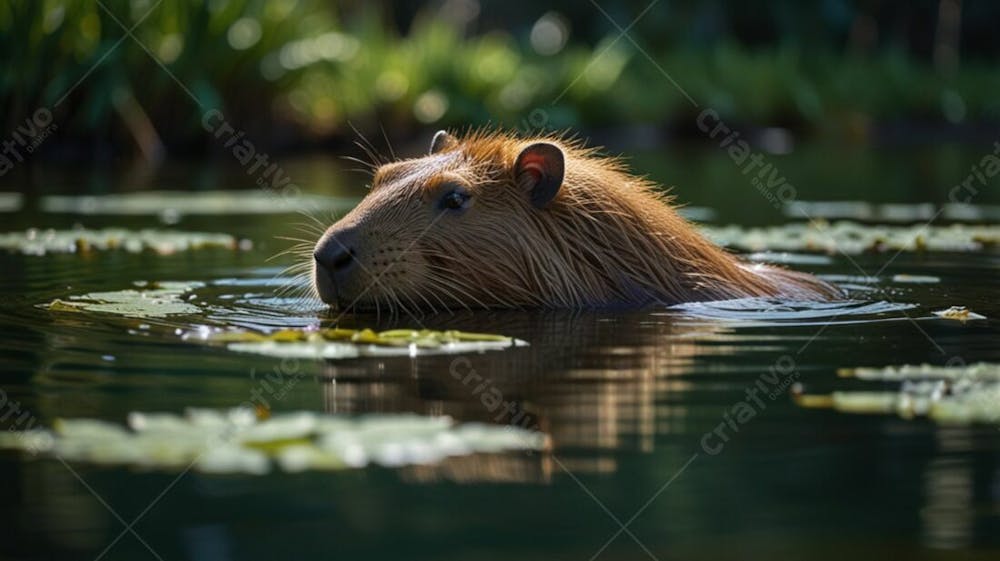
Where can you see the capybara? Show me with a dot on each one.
(493, 220)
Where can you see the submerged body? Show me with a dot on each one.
(491, 220)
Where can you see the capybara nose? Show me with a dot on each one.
(335, 259)
(336, 254)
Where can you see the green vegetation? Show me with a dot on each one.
(310, 69)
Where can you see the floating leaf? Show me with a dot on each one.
(786, 258)
(164, 242)
(949, 394)
(147, 301)
(236, 441)
(340, 343)
(915, 279)
(853, 238)
(170, 205)
(891, 212)
(958, 313)
(864, 402)
(10, 202)
(982, 371)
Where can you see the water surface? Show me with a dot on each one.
(639, 405)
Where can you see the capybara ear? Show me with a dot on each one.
(539, 169)
(442, 141)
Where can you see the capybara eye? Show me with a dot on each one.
(454, 200)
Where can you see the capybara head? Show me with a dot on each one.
(455, 228)
(492, 220)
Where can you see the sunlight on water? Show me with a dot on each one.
(263, 301)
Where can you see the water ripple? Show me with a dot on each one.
(792, 312)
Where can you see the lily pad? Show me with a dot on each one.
(237, 441)
(786, 258)
(853, 238)
(164, 299)
(958, 313)
(915, 279)
(947, 394)
(11, 202)
(164, 242)
(981, 371)
(338, 343)
(148, 300)
(891, 212)
(171, 205)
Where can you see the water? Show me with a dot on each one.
(639, 405)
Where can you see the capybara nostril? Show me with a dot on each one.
(343, 260)
(336, 256)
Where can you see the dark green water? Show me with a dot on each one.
(631, 400)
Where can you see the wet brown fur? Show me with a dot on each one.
(608, 238)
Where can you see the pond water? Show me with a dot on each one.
(642, 408)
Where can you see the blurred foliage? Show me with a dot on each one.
(286, 70)
(77, 59)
